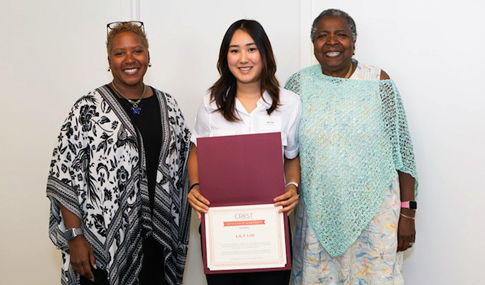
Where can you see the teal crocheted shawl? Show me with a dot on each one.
(353, 138)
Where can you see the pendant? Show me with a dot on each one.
(136, 110)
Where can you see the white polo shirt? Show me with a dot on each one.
(285, 119)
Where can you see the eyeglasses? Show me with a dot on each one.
(113, 25)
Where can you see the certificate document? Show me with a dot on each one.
(245, 237)
(240, 176)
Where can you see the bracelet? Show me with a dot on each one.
(292, 183)
(412, 218)
(193, 185)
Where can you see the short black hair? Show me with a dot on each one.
(334, 13)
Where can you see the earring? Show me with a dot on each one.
(149, 65)
(109, 69)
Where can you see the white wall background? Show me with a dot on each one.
(53, 51)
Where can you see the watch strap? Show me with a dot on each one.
(409, 205)
(72, 233)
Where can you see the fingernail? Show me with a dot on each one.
(95, 267)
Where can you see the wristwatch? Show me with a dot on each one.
(72, 233)
(409, 205)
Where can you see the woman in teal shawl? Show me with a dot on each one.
(357, 162)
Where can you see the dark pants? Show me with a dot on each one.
(281, 277)
(254, 278)
(152, 270)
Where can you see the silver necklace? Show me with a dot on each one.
(135, 108)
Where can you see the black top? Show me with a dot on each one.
(149, 124)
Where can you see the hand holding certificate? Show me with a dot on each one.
(240, 176)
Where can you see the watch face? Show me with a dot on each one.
(413, 205)
(69, 234)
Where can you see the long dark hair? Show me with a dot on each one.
(223, 92)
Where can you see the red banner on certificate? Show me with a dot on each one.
(242, 170)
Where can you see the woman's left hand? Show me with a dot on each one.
(406, 232)
(289, 200)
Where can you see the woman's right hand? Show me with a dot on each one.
(198, 202)
(82, 257)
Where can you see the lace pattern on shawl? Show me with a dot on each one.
(98, 172)
(353, 137)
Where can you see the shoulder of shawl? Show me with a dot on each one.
(169, 99)
(93, 97)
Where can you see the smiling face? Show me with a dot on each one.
(334, 46)
(128, 59)
(243, 58)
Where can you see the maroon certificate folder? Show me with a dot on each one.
(241, 170)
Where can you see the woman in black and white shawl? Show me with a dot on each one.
(117, 181)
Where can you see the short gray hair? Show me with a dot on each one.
(334, 13)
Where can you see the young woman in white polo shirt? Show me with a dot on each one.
(247, 99)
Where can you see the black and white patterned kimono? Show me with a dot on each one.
(98, 172)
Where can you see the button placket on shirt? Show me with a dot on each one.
(250, 119)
